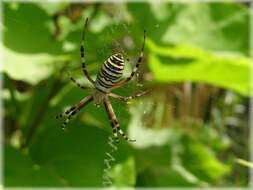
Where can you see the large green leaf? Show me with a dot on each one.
(213, 26)
(201, 161)
(28, 46)
(160, 157)
(78, 154)
(123, 174)
(187, 63)
(205, 25)
(31, 68)
(27, 29)
(20, 170)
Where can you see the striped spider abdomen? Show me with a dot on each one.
(110, 73)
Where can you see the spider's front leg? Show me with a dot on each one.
(127, 98)
(114, 122)
(85, 72)
(77, 83)
(82, 54)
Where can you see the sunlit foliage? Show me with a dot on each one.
(192, 127)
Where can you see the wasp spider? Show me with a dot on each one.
(108, 78)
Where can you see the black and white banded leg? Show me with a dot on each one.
(127, 98)
(114, 122)
(82, 54)
(76, 83)
(64, 114)
(75, 109)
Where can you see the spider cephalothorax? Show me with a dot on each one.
(108, 78)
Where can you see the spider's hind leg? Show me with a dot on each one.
(115, 133)
(69, 116)
(66, 113)
(114, 123)
(119, 130)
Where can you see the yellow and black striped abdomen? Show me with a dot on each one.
(110, 73)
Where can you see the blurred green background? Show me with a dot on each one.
(192, 130)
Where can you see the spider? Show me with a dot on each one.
(107, 79)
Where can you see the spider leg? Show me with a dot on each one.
(66, 112)
(75, 109)
(82, 54)
(76, 83)
(127, 98)
(124, 81)
(114, 122)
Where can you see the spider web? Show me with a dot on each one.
(123, 45)
(121, 108)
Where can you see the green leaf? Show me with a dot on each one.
(187, 63)
(76, 155)
(208, 26)
(182, 37)
(177, 23)
(20, 170)
(31, 68)
(28, 46)
(28, 34)
(123, 174)
(201, 161)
